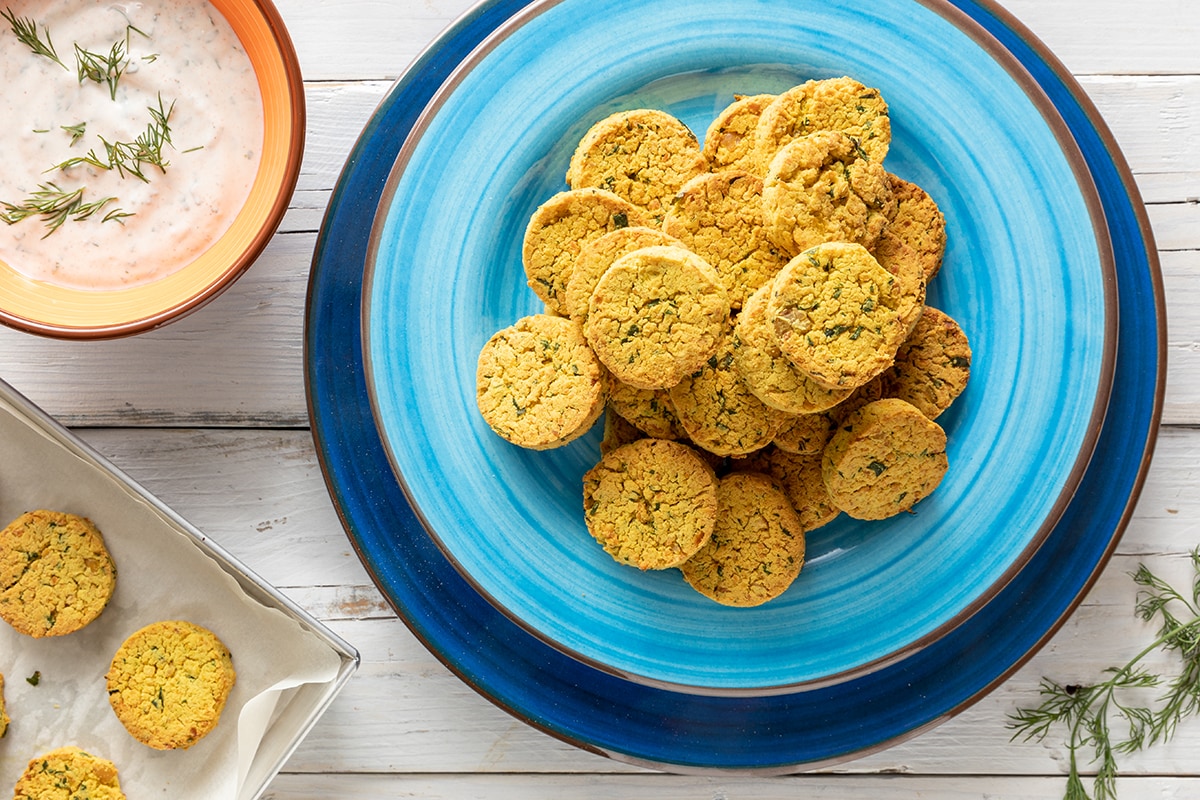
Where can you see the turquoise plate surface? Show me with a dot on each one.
(1028, 273)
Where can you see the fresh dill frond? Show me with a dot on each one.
(55, 206)
(147, 148)
(122, 157)
(91, 158)
(117, 215)
(1107, 718)
(1157, 600)
(129, 158)
(131, 28)
(107, 68)
(26, 31)
(158, 134)
(115, 158)
(102, 68)
(76, 131)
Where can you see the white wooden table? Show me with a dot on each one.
(209, 414)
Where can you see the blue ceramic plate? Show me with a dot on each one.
(649, 725)
(1028, 274)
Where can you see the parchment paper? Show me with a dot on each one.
(161, 574)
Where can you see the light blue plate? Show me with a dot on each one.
(1028, 274)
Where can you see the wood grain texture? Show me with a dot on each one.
(378, 39)
(670, 787)
(209, 414)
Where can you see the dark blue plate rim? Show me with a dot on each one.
(656, 727)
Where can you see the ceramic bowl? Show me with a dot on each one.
(1028, 273)
(61, 311)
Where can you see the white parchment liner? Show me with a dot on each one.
(161, 574)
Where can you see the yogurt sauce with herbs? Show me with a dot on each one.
(179, 52)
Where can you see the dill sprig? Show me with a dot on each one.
(56, 205)
(1107, 717)
(77, 131)
(116, 215)
(158, 133)
(106, 68)
(128, 158)
(102, 68)
(26, 31)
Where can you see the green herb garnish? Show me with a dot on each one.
(55, 206)
(106, 68)
(1108, 717)
(26, 31)
(100, 68)
(35, 678)
(128, 158)
(76, 131)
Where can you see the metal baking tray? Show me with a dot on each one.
(49, 456)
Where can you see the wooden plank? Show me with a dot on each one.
(1154, 118)
(672, 787)
(1169, 187)
(1104, 37)
(337, 114)
(371, 39)
(258, 493)
(1182, 291)
(1099, 36)
(1176, 226)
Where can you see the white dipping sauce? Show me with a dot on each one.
(216, 131)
